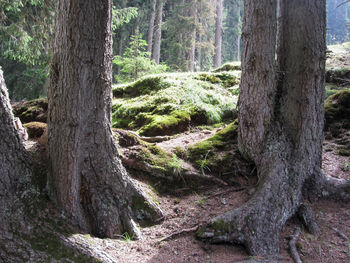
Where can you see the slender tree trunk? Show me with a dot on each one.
(158, 31)
(218, 34)
(15, 170)
(239, 35)
(192, 55)
(151, 26)
(238, 48)
(86, 177)
(199, 53)
(280, 125)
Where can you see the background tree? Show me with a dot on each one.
(86, 177)
(157, 31)
(25, 31)
(280, 124)
(233, 11)
(135, 61)
(218, 34)
(338, 17)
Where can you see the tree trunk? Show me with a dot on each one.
(280, 125)
(192, 54)
(151, 26)
(158, 32)
(218, 34)
(15, 170)
(86, 177)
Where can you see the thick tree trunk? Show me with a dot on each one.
(14, 169)
(151, 26)
(158, 31)
(218, 34)
(86, 177)
(280, 126)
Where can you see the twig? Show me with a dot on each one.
(341, 234)
(343, 3)
(292, 246)
(177, 233)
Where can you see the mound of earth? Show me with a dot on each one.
(168, 104)
(31, 111)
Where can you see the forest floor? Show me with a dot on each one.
(173, 241)
(52, 238)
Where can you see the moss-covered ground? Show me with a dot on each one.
(170, 103)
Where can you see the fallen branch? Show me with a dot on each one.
(341, 234)
(178, 233)
(292, 246)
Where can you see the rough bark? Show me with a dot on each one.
(86, 177)
(218, 34)
(14, 170)
(151, 26)
(280, 125)
(157, 31)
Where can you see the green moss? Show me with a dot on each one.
(337, 109)
(175, 122)
(31, 111)
(227, 79)
(216, 142)
(140, 87)
(214, 154)
(229, 67)
(179, 100)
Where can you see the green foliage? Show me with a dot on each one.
(127, 238)
(26, 28)
(135, 61)
(122, 16)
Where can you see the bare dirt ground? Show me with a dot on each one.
(173, 241)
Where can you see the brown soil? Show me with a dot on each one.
(185, 211)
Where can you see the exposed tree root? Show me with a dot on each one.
(292, 246)
(307, 218)
(178, 233)
(324, 186)
(341, 234)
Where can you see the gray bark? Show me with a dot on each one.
(218, 34)
(192, 54)
(86, 177)
(15, 170)
(280, 126)
(151, 27)
(158, 31)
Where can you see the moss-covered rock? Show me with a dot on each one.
(35, 129)
(337, 111)
(169, 103)
(338, 75)
(31, 111)
(219, 155)
(229, 67)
